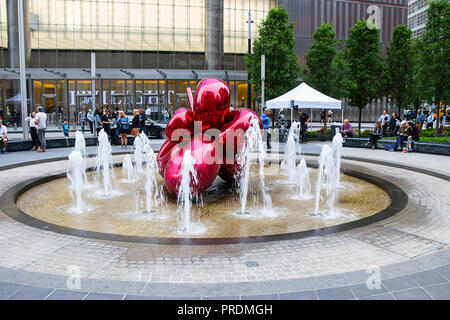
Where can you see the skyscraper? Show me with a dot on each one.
(343, 14)
(417, 16)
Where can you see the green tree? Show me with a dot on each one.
(321, 60)
(436, 54)
(276, 41)
(365, 66)
(416, 88)
(399, 67)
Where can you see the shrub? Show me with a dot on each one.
(428, 133)
(365, 134)
(435, 139)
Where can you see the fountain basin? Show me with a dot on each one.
(114, 219)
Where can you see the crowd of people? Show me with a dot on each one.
(118, 126)
(115, 123)
(404, 130)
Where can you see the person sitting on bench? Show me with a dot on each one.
(402, 135)
(375, 136)
(3, 137)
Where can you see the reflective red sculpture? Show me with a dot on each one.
(212, 132)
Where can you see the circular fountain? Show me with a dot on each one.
(254, 197)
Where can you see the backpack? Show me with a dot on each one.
(390, 147)
(124, 123)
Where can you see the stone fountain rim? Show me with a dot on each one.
(399, 201)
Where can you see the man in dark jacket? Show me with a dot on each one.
(304, 118)
(142, 118)
(402, 135)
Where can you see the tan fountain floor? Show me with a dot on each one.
(215, 218)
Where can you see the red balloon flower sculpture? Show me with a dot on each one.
(212, 133)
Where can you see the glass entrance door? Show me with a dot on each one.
(49, 104)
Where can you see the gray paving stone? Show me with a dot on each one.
(138, 297)
(31, 293)
(439, 291)
(304, 295)
(341, 293)
(276, 255)
(181, 298)
(430, 277)
(222, 298)
(8, 288)
(445, 271)
(59, 294)
(361, 290)
(412, 294)
(400, 283)
(383, 296)
(261, 297)
(104, 296)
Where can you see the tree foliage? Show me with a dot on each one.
(276, 41)
(323, 62)
(435, 54)
(417, 87)
(365, 65)
(399, 67)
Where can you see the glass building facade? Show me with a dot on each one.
(417, 16)
(138, 34)
(147, 53)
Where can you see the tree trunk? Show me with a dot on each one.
(444, 120)
(359, 121)
(437, 117)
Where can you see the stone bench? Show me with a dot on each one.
(424, 147)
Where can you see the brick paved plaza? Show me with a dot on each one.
(409, 249)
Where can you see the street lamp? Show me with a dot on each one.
(263, 78)
(23, 84)
(249, 89)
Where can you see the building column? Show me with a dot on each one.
(13, 32)
(214, 36)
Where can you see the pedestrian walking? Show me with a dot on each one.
(90, 118)
(384, 121)
(65, 128)
(124, 128)
(304, 118)
(136, 123)
(330, 116)
(31, 120)
(265, 119)
(148, 111)
(323, 116)
(142, 119)
(420, 119)
(113, 128)
(15, 116)
(41, 125)
(82, 119)
(98, 121)
(430, 120)
(105, 121)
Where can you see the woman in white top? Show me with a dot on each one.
(33, 130)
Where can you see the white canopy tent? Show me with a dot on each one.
(305, 97)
